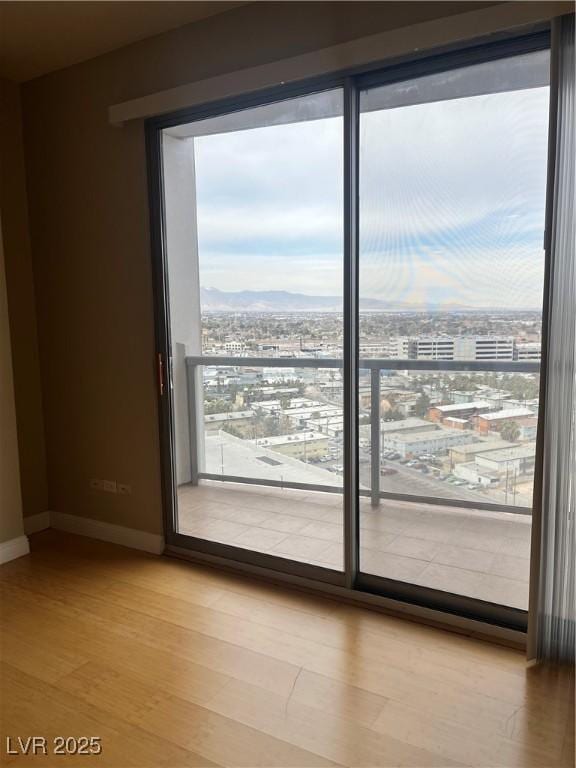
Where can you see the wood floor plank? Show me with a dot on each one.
(99, 616)
(338, 738)
(33, 707)
(215, 736)
(463, 744)
(30, 656)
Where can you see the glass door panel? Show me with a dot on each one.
(254, 230)
(452, 198)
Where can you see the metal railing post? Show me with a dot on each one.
(375, 436)
(191, 373)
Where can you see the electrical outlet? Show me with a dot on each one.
(109, 486)
(124, 489)
(96, 485)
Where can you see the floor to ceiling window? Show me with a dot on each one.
(450, 162)
(452, 208)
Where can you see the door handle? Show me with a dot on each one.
(160, 361)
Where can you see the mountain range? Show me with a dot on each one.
(214, 300)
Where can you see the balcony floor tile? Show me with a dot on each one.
(480, 554)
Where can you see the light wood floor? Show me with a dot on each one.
(177, 665)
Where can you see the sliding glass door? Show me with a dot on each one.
(349, 288)
(452, 204)
(254, 221)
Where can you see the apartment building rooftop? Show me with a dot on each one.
(516, 452)
(232, 416)
(456, 407)
(298, 437)
(507, 413)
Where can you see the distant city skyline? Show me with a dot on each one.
(452, 204)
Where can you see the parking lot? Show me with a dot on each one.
(413, 480)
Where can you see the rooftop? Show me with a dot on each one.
(455, 407)
(298, 437)
(507, 413)
(422, 437)
(227, 454)
(412, 423)
(482, 447)
(518, 452)
(232, 416)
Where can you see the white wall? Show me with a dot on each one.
(183, 278)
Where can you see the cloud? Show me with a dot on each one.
(451, 203)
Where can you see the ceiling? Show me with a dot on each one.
(40, 37)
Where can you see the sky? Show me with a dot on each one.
(452, 200)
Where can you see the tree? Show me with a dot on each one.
(510, 431)
(422, 405)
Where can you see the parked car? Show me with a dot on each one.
(412, 463)
(473, 486)
(404, 461)
(459, 482)
(388, 471)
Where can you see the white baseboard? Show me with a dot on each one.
(36, 523)
(116, 534)
(10, 550)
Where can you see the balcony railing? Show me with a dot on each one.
(375, 367)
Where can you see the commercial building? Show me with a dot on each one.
(299, 417)
(407, 426)
(464, 453)
(453, 347)
(494, 421)
(333, 426)
(301, 445)
(431, 441)
(294, 404)
(519, 460)
(458, 410)
(530, 350)
(477, 474)
(214, 422)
